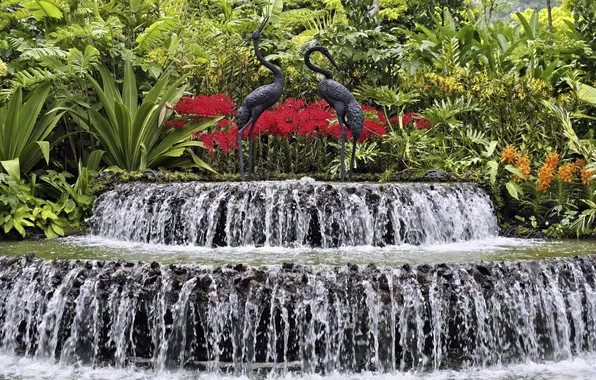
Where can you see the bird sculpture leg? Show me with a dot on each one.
(343, 147)
(240, 154)
(352, 159)
(250, 157)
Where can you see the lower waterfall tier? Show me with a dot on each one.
(294, 213)
(304, 318)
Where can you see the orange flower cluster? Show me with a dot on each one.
(552, 160)
(522, 163)
(586, 175)
(545, 174)
(508, 154)
(566, 172)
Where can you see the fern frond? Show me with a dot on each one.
(43, 52)
(155, 34)
(82, 62)
(29, 77)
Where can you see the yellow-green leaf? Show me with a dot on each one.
(45, 150)
(13, 168)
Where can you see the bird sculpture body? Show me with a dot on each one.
(256, 103)
(349, 113)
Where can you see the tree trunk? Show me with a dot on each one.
(375, 7)
(550, 15)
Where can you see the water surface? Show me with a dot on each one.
(491, 249)
(582, 367)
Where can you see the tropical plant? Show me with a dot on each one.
(132, 135)
(20, 209)
(23, 131)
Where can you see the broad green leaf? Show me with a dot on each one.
(11, 126)
(129, 89)
(515, 171)
(57, 229)
(69, 206)
(41, 9)
(49, 232)
(200, 163)
(94, 160)
(273, 10)
(8, 224)
(585, 93)
(526, 25)
(493, 167)
(13, 168)
(513, 188)
(20, 228)
(44, 146)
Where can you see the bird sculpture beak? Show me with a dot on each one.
(333, 61)
(263, 23)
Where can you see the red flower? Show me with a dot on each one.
(407, 118)
(174, 124)
(205, 106)
(423, 124)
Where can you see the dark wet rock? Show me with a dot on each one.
(484, 270)
(287, 266)
(436, 176)
(143, 312)
(240, 268)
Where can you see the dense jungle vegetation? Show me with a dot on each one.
(496, 92)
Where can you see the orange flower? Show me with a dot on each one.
(545, 176)
(508, 154)
(580, 163)
(552, 160)
(566, 172)
(522, 163)
(586, 175)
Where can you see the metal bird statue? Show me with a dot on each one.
(257, 102)
(349, 113)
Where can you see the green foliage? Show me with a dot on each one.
(133, 135)
(22, 210)
(23, 131)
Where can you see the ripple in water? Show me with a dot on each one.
(582, 367)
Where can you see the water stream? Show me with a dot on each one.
(294, 213)
(296, 280)
(305, 319)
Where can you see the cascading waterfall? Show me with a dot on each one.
(294, 213)
(297, 318)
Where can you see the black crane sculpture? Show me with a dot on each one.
(349, 113)
(257, 102)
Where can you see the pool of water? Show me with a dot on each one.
(18, 368)
(492, 249)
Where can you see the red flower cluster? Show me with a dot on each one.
(205, 106)
(192, 109)
(408, 119)
(292, 117)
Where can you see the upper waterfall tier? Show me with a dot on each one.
(303, 213)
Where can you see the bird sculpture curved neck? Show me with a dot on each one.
(327, 73)
(274, 69)
(256, 103)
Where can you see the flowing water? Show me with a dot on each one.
(300, 281)
(290, 213)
